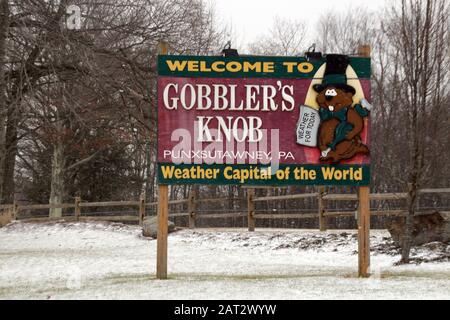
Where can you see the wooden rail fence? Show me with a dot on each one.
(16, 212)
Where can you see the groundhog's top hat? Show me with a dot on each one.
(335, 74)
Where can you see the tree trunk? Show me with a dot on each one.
(9, 164)
(57, 182)
(409, 223)
(4, 26)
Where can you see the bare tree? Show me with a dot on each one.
(77, 95)
(4, 29)
(344, 32)
(418, 30)
(410, 72)
(286, 38)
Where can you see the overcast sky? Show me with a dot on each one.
(252, 18)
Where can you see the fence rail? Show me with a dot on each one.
(16, 211)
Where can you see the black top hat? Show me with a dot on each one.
(335, 74)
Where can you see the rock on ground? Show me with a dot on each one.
(150, 227)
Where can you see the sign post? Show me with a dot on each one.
(364, 232)
(264, 121)
(364, 211)
(163, 221)
(163, 213)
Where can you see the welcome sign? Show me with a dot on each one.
(263, 120)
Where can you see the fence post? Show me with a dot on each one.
(14, 211)
(251, 210)
(77, 208)
(142, 205)
(192, 209)
(8, 212)
(322, 209)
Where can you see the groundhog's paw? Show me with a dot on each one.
(350, 136)
(363, 149)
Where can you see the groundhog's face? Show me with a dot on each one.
(334, 99)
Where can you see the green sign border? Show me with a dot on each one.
(274, 181)
(362, 67)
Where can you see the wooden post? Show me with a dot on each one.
(364, 232)
(251, 210)
(15, 211)
(364, 210)
(365, 51)
(322, 209)
(163, 48)
(77, 208)
(192, 209)
(142, 205)
(7, 215)
(163, 210)
(163, 221)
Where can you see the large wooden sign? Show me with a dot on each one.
(264, 120)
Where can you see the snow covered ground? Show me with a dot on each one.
(113, 261)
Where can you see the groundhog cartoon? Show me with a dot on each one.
(341, 122)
